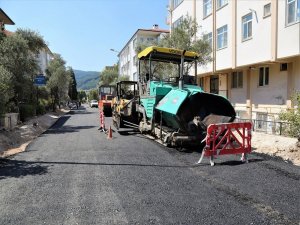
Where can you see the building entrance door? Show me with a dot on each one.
(214, 84)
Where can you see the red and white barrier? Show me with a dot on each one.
(227, 138)
(102, 121)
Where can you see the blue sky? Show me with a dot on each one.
(84, 31)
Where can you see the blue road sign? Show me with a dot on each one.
(40, 80)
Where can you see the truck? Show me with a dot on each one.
(106, 95)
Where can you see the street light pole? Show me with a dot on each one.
(113, 50)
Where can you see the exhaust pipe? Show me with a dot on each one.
(180, 83)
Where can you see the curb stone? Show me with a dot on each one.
(22, 147)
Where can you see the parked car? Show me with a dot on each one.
(94, 103)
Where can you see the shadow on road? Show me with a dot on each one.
(67, 129)
(19, 168)
(60, 122)
(80, 111)
(239, 162)
(128, 132)
(115, 164)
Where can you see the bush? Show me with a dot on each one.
(43, 107)
(26, 111)
(6, 91)
(292, 116)
(40, 110)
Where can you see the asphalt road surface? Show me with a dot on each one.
(73, 174)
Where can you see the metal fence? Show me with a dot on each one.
(9, 120)
(2, 121)
(269, 127)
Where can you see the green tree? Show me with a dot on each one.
(82, 96)
(109, 75)
(184, 36)
(292, 116)
(34, 40)
(6, 91)
(93, 94)
(73, 94)
(123, 78)
(157, 67)
(17, 55)
(36, 44)
(59, 79)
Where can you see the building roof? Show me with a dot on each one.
(5, 18)
(154, 30)
(8, 33)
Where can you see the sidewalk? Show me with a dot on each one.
(15, 141)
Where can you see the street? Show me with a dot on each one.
(73, 174)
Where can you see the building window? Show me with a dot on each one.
(208, 38)
(283, 66)
(222, 37)
(177, 22)
(267, 10)
(247, 26)
(237, 80)
(292, 11)
(207, 8)
(150, 39)
(221, 3)
(176, 3)
(263, 76)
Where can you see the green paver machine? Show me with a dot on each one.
(174, 111)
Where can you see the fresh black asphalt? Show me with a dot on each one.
(73, 174)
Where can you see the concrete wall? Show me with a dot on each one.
(224, 56)
(185, 8)
(288, 35)
(296, 72)
(258, 48)
(205, 27)
(275, 93)
(9, 121)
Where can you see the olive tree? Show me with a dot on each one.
(59, 79)
(292, 116)
(6, 90)
(18, 57)
(185, 37)
(109, 75)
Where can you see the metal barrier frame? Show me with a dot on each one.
(221, 140)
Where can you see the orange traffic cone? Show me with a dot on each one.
(109, 135)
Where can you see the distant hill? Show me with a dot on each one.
(86, 80)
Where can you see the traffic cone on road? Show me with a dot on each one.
(109, 135)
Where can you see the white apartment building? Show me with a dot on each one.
(128, 55)
(255, 49)
(43, 58)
